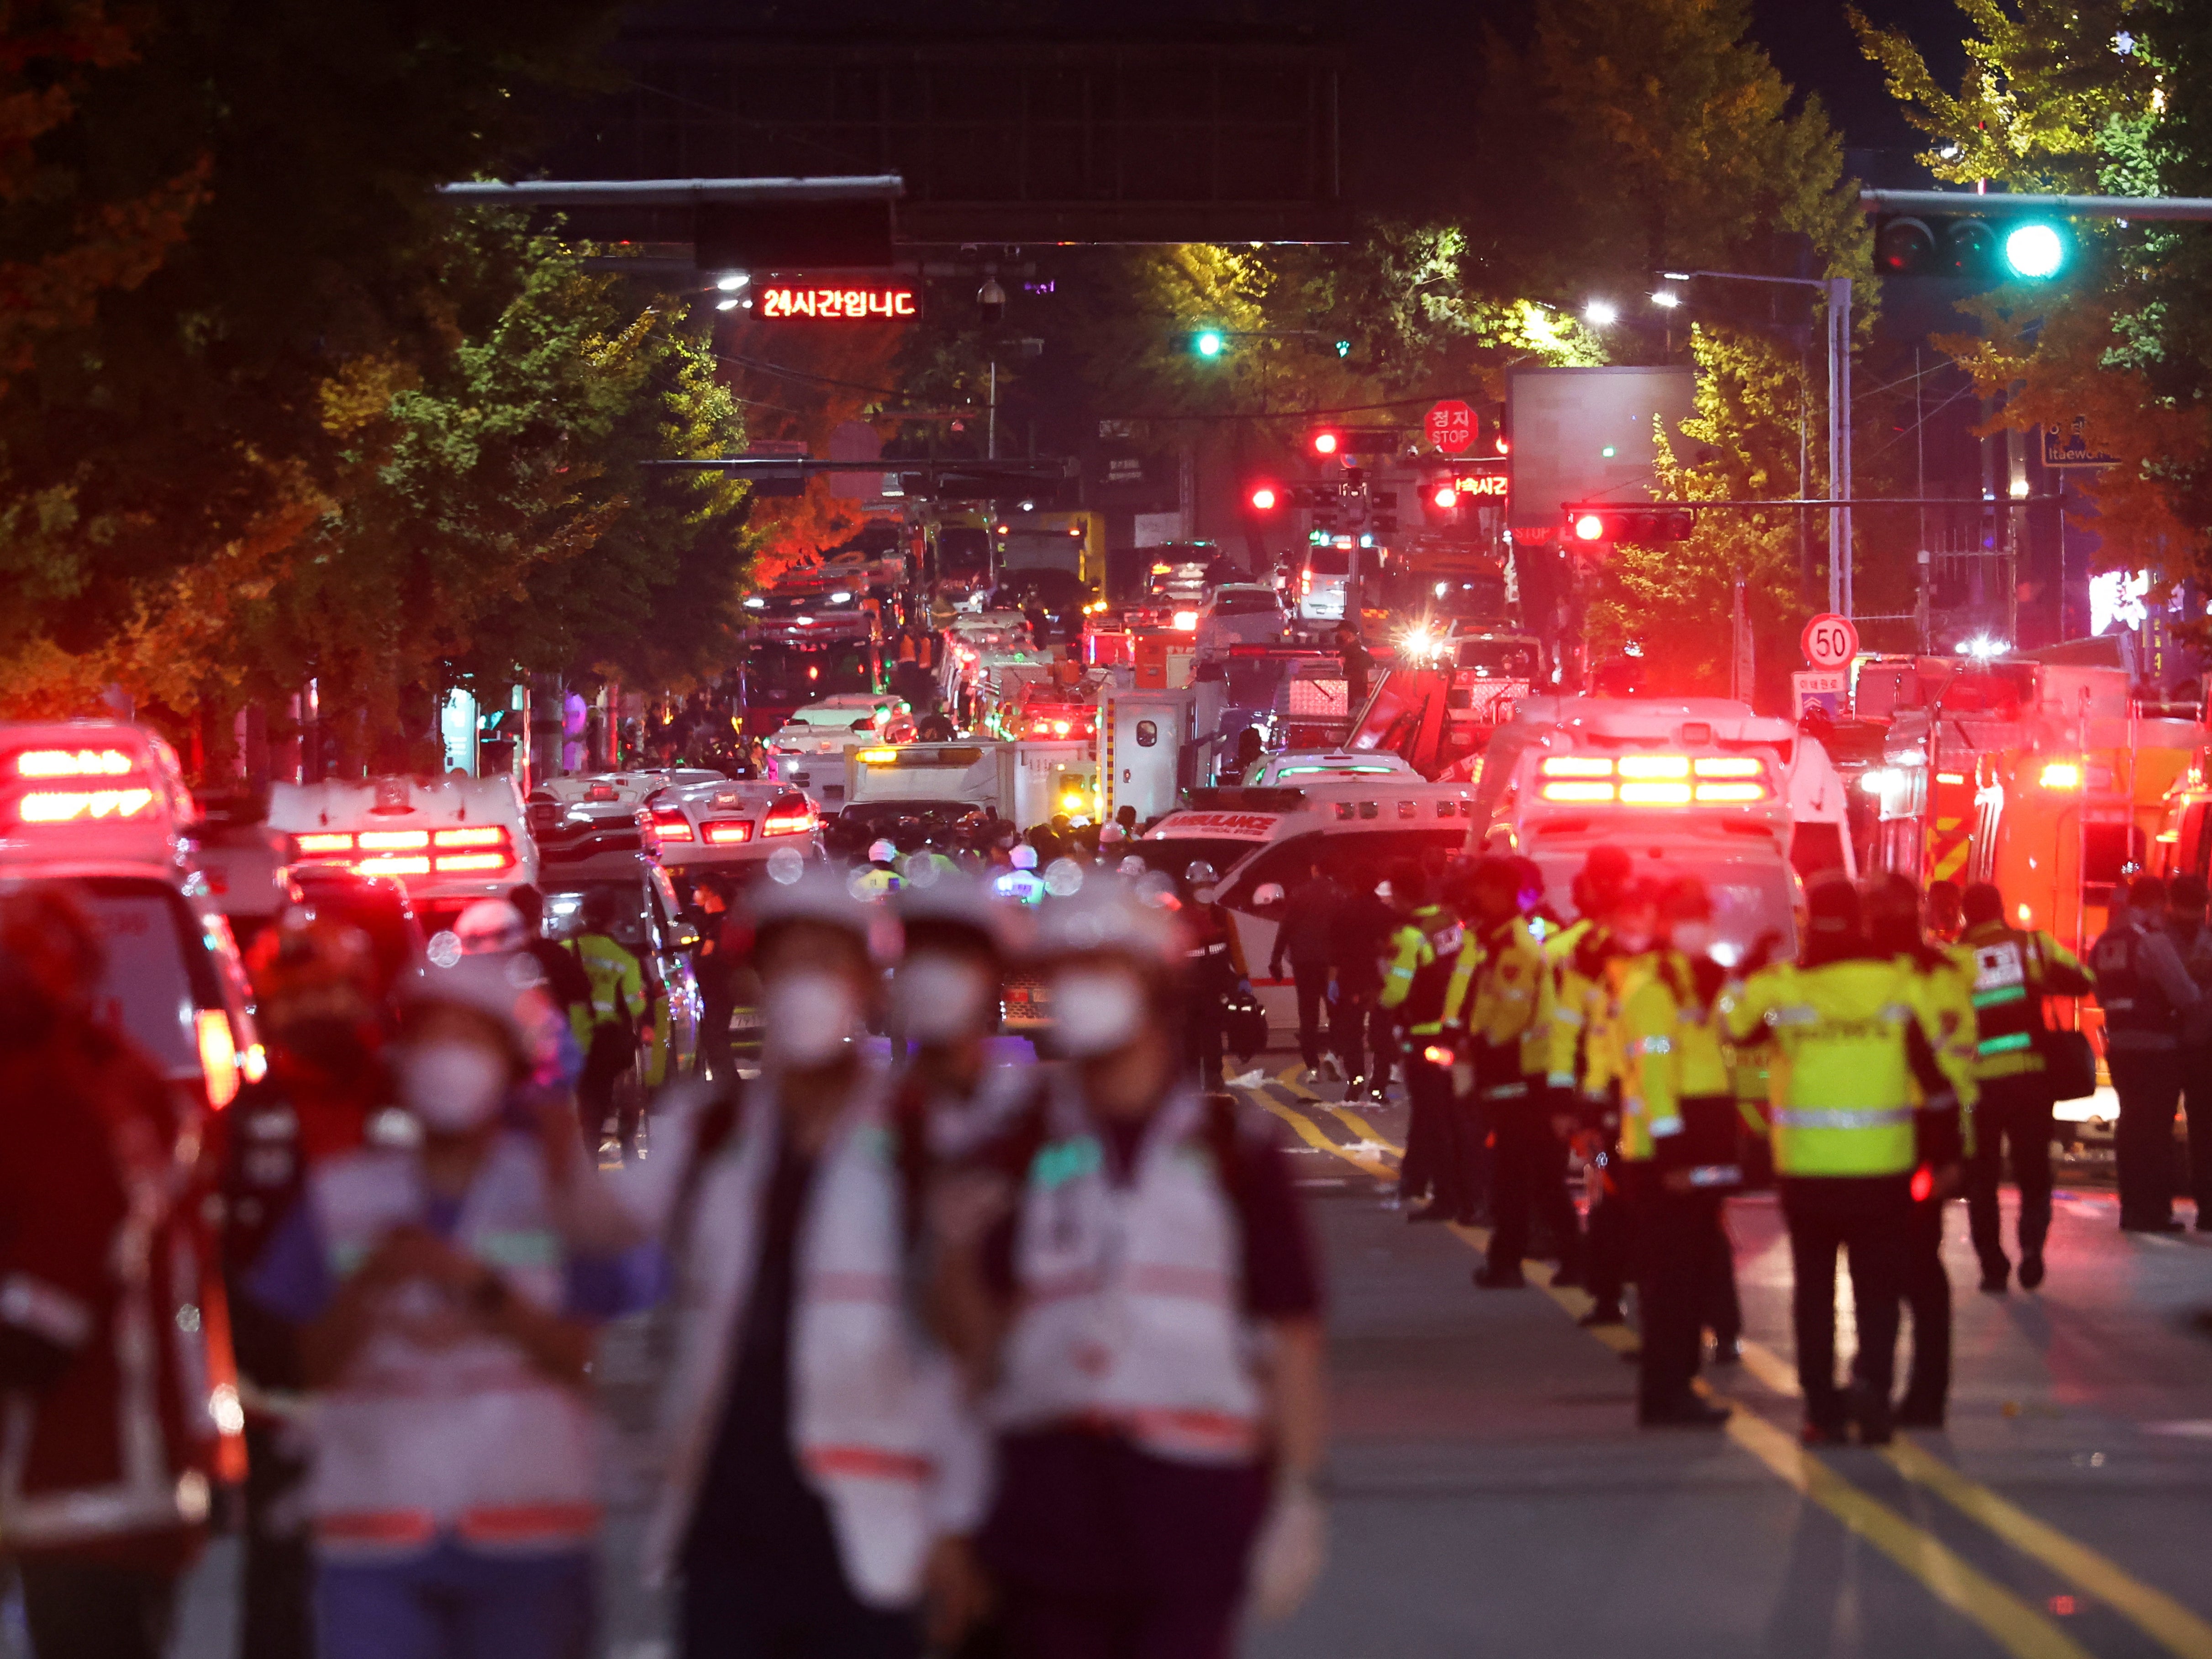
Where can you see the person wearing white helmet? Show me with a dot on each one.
(824, 1471)
(1129, 1268)
(878, 878)
(446, 1284)
(960, 1079)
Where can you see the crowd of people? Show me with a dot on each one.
(964, 1351)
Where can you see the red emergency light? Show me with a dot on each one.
(1326, 442)
(728, 834)
(82, 805)
(73, 763)
(1264, 498)
(1654, 780)
(410, 852)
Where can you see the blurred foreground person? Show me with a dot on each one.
(1854, 1039)
(1892, 923)
(2148, 1000)
(2013, 971)
(1678, 1126)
(963, 1081)
(824, 1475)
(314, 989)
(1133, 1279)
(445, 1284)
(104, 1486)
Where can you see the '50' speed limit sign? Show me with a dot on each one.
(1830, 641)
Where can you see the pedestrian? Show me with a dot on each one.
(1217, 970)
(495, 927)
(1678, 1126)
(1138, 1277)
(1854, 1039)
(325, 1029)
(1892, 909)
(446, 1286)
(961, 1079)
(2192, 942)
(610, 1028)
(1430, 948)
(1583, 1067)
(1361, 1029)
(725, 943)
(824, 1475)
(2012, 970)
(2148, 1000)
(1307, 934)
(1126, 816)
(104, 1490)
(1509, 1020)
(1355, 661)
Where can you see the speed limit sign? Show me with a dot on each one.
(1830, 641)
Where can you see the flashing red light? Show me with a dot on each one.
(1326, 443)
(1446, 496)
(68, 805)
(336, 842)
(1504, 445)
(728, 834)
(485, 836)
(813, 672)
(470, 863)
(1588, 527)
(1924, 1184)
(1264, 499)
(73, 763)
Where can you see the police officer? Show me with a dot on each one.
(1430, 949)
(2147, 998)
(1854, 1037)
(1677, 1136)
(1509, 1023)
(608, 1028)
(1583, 1069)
(2012, 971)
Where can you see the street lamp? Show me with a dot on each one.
(1665, 298)
(1600, 313)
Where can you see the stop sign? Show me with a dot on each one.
(1451, 426)
(1830, 641)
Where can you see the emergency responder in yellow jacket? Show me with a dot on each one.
(1583, 1070)
(2011, 971)
(610, 1028)
(1892, 920)
(1677, 1138)
(1853, 1035)
(1507, 1024)
(1430, 947)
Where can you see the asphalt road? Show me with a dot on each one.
(1491, 1495)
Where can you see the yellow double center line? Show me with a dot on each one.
(2017, 1627)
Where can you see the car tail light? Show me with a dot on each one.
(392, 841)
(70, 805)
(73, 763)
(322, 843)
(1717, 794)
(471, 863)
(388, 865)
(791, 815)
(1731, 766)
(218, 1055)
(1575, 766)
(1578, 791)
(1655, 794)
(482, 836)
(729, 834)
(1655, 766)
(670, 824)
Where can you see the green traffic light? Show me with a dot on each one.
(2034, 250)
(1209, 343)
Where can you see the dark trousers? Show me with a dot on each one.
(1204, 1032)
(1718, 1306)
(1311, 979)
(1867, 1216)
(2196, 1102)
(1608, 1249)
(738, 1612)
(1528, 1178)
(276, 1611)
(716, 1010)
(1437, 1158)
(2017, 1113)
(1042, 1625)
(1676, 1250)
(1928, 1293)
(610, 1055)
(2148, 1084)
(1357, 1028)
(81, 1609)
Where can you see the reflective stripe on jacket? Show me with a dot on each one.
(617, 985)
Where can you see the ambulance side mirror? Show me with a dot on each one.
(1267, 896)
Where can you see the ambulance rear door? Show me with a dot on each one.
(1141, 736)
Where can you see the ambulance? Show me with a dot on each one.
(450, 840)
(101, 809)
(1262, 842)
(1696, 786)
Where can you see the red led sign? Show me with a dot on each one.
(1483, 484)
(821, 302)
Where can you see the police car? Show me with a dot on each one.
(808, 750)
(727, 828)
(101, 809)
(1262, 842)
(452, 841)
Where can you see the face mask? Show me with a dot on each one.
(1095, 1011)
(942, 997)
(806, 1017)
(452, 1087)
(1693, 939)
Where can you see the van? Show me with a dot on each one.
(1262, 842)
(100, 808)
(452, 841)
(1324, 574)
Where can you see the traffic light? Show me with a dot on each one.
(1382, 511)
(1440, 499)
(1641, 525)
(1209, 343)
(1332, 442)
(1266, 498)
(1966, 245)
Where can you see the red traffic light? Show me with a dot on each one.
(1446, 496)
(1641, 525)
(1589, 526)
(1326, 442)
(1266, 498)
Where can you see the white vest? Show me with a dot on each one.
(436, 1429)
(1130, 1314)
(878, 1427)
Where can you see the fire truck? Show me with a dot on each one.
(804, 643)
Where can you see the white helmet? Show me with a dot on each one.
(882, 850)
(1025, 857)
(491, 926)
(1105, 917)
(1111, 834)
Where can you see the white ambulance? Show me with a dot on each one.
(1262, 842)
(1697, 786)
(100, 808)
(450, 840)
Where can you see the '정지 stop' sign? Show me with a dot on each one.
(1830, 641)
(1451, 426)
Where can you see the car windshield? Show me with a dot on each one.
(564, 911)
(1176, 854)
(797, 673)
(155, 970)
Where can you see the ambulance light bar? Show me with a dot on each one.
(1654, 780)
(70, 805)
(2062, 775)
(410, 852)
(73, 763)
